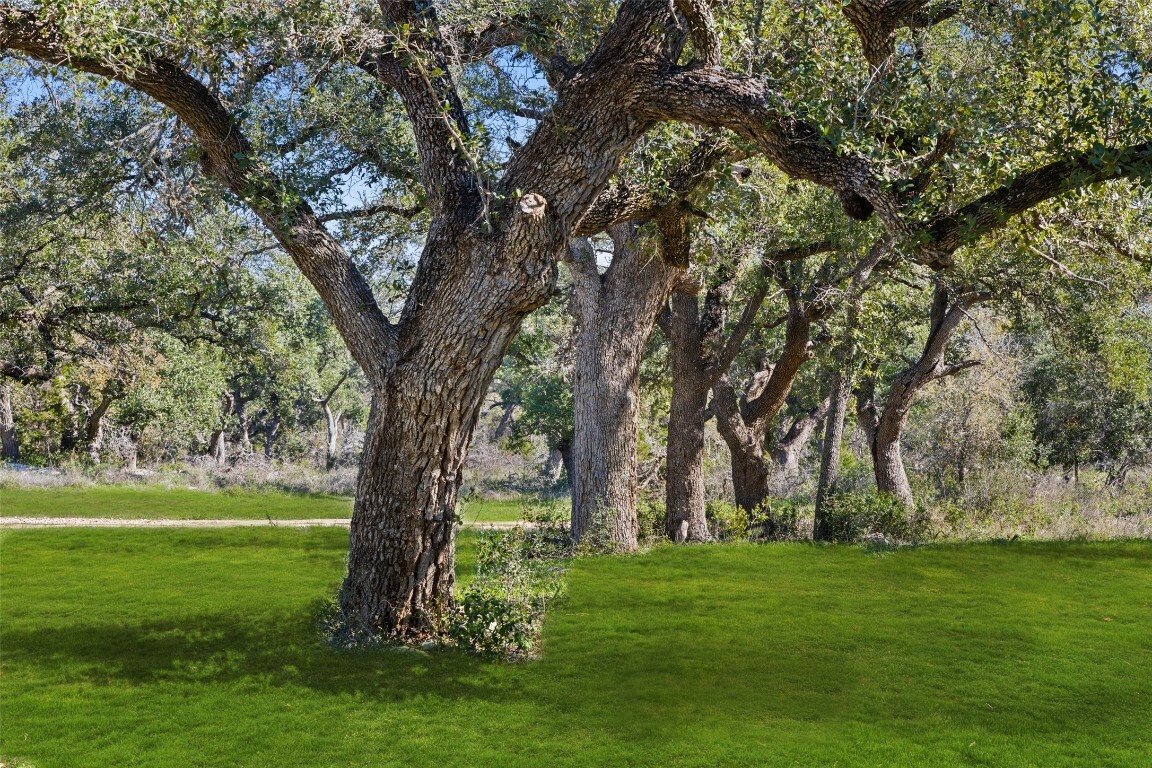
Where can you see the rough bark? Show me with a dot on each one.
(684, 519)
(949, 309)
(9, 439)
(616, 313)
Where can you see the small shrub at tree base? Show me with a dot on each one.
(518, 573)
(778, 520)
(726, 521)
(650, 514)
(860, 516)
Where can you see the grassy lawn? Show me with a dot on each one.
(196, 647)
(183, 504)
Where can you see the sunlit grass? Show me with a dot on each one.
(137, 502)
(178, 647)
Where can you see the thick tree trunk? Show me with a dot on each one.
(891, 477)
(400, 565)
(685, 519)
(616, 314)
(9, 440)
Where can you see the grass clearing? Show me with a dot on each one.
(144, 502)
(197, 647)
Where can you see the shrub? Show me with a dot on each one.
(518, 573)
(726, 521)
(870, 515)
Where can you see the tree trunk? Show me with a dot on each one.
(566, 458)
(94, 429)
(948, 311)
(840, 391)
(332, 446)
(218, 443)
(684, 518)
(616, 313)
(400, 564)
(789, 449)
(9, 441)
(553, 466)
(70, 434)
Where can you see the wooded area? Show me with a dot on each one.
(689, 261)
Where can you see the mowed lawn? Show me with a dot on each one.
(143, 502)
(198, 648)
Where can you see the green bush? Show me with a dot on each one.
(868, 515)
(518, 573)
(726, 521)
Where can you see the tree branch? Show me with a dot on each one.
(228, 157)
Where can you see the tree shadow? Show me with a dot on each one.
(278, 650)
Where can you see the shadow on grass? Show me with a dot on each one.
(283, 650)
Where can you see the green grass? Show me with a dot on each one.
(180, 647)
(134, 502)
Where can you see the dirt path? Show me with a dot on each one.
(109, 522)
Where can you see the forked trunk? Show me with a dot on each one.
(750, 476)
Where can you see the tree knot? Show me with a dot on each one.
(533, 205)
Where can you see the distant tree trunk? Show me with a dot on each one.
(94, 429)
(615, 312)
(133, 454)
(948, 311)
(218, 443)
(332, 446)
(70, 433)
(564, 446)
(553, 466)
(743, 419)
(790, 448)
(245, 419)
(9, 440)
(840, 391)
(701, 358)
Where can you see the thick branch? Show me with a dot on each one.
(228, 157)
(936, 243)
(751, 109)
(25, 374)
